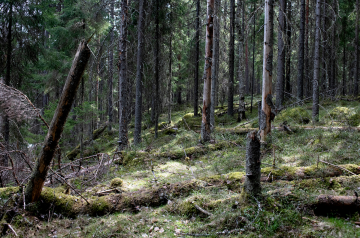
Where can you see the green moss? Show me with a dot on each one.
(297, 115)
(133, 157)
(236, 176)
(116, 182)
(189, 121)
(345, 114)
(5, 192)
(99, 206)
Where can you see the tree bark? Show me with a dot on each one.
(356, 71)
(306, 53)
(241, 75)
(281, 56)
(138, 103)
(111, 67)
(288, 45)
(315, 107)
(336, 204)
(197, 54)
(157, 67)
(170, 70)
(6, 129)
(343, 90)
(37, 179)
(230, 109)
(300, 75)
(265, 123)
(214, 69)
(205, 124)
(253, 170)
(123, 81)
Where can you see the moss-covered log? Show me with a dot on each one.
(95, 135)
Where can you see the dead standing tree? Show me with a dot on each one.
(38, 176)
(266, 103)
(205, 124)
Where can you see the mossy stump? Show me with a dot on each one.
(253, 170)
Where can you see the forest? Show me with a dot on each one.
(179, 118)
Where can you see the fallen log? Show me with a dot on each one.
(95, 135)
(342, 205)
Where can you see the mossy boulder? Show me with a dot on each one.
(297, 114)
(116, 182)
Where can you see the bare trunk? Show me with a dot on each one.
(315, 109)
(37, 179)
(230, 109)
(288, 45)
(111, 67)
(241, 110)
(157, 66)
(307, 84)
(197, 52)
(281, 56)
(343, 90)
(123, 81)
(138, 105)
(356, 76)
(265, 123)
(205, 124)
(215, 61)
(170, 71)
(300, 75)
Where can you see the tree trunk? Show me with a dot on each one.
(253, 59)
(306, 53)
(230, 109)
(281, 56)
(6, 129)
(265, 123)
(157, 67)
(38, 176)
(288, 45)
(139, 69)
(356, 76)
(241, 79)
(300, 75)
(323, 72)
(215, 61)
(336, 204)
(343, 90)
(123, 81)
(205, 124)
(315, 108)
(197, 53)
(253, 171)
(111, 67)
(170, 70)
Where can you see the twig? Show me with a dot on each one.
(268, 176)
(69, 185)
(202, 210)
(13, 170)
(337, 166)
(11, 229)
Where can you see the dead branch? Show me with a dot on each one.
(337, 167)
(13, 169)
(69, 185)
(202, 210)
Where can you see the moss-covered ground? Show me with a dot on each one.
(150, 170)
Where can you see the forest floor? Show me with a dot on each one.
(174, 186)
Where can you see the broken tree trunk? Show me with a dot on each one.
(253, 170)
(95, 135)
(37, 179)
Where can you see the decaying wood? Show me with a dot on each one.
(337, 166)
(202, 210)
(37, 179)
(253, 170)
(95, 135)
(108, 191)
(337, 204)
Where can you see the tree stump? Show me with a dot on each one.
(253, 171)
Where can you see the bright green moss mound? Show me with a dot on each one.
(116, 182)
(348, 115)
(297, 114)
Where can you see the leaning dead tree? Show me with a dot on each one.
(38, 176)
